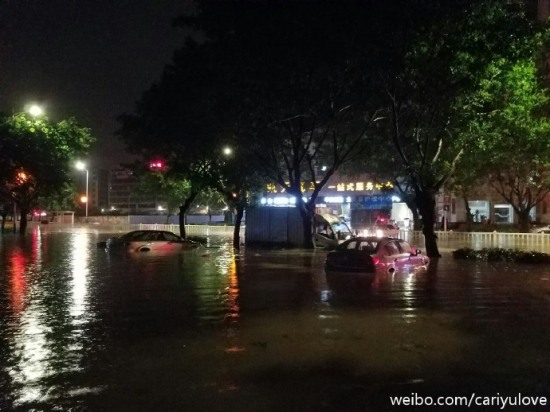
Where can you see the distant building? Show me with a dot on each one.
(99, 189)
(122, 195)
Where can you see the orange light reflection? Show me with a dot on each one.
(233, 289)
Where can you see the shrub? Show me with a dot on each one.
(502, 255)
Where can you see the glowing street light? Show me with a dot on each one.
(227, 151)
(35, 110)
(82, 166)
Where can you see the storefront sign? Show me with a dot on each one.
(373, 202)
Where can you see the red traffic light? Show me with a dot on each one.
(156, 165)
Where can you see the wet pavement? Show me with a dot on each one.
(259, 330)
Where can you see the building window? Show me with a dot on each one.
(479, 210)
(503, 214)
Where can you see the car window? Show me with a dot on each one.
(170, 237)
(405, 247)
(368, 246)
(132, 235)
(391, 248)
(148, 236)
(352, 245)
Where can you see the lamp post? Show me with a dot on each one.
(82, 166)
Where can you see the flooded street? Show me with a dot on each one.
(212, 330)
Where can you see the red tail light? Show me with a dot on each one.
(375, 260)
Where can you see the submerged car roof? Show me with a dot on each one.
(372, 238)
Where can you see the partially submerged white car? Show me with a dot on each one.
(148, 241)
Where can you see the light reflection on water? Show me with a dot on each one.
(77, 321)
(45, 320)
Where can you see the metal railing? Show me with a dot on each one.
(478, 240)
(449, 239)
(194, 230)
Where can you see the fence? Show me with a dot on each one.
(475, 240)
(194, 230)
(448, 239)
(478, 240)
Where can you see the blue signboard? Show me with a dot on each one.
(373, 202)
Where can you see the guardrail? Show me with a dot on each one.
(194, 230)
(487, 239)
(478, 240)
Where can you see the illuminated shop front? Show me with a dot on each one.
(356, 200)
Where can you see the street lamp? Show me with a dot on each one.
(36, 110)
(82, 166)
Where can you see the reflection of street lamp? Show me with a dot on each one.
(82, 166)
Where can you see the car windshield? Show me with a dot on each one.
(133, 235)
(171, 237)
(368, 246)
(364, 245)
(341, 227)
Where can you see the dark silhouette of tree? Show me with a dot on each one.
(295, 98)
(302, 84)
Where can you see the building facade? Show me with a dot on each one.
(123, 198)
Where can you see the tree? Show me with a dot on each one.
(239, 182)
(515, 131)
(176, 120)
(293, 98)
(330, 86)
(435, 57)
(36, 155)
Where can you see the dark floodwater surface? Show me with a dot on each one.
(258, 330)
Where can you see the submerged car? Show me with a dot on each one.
(369, 254)
(380, 230)
(545, 230)
(155, 241)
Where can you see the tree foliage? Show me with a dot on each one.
(305, 87)
(295, 98)
(514, 133)
(435, 60)
(35, 157)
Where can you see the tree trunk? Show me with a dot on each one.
(182, 210)
(23, 222)
(4, 216)
(181, 221)
(409, 201)
(426, 207)
(524, 224)
(468, 213)
(237, 229)
(307, 224)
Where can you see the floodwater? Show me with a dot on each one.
(260, 330)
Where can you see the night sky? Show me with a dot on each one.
(90, 59)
